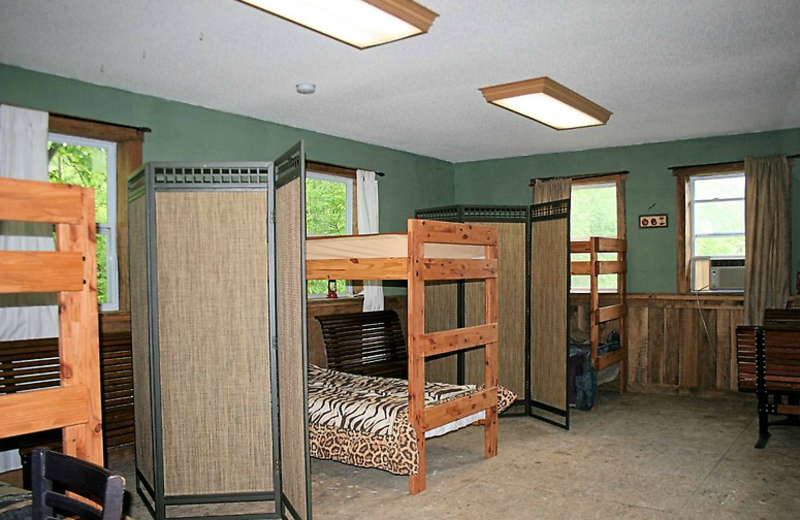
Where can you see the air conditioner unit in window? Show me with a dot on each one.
(726, 274)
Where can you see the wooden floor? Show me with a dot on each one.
(637, 456)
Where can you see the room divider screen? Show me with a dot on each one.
(215, 357)
(458, 304)
(291, 335)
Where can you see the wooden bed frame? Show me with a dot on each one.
(598, 315)
(417, 269)
(71, 271)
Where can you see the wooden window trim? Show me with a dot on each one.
(683, 176)
(129, 158)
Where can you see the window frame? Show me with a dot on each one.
(109, 227)
(603, 180)
(130, 141)
(692, 251)
(685, 177)
(337, 174)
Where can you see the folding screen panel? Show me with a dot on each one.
(291, 341)
(206, 412)
(550, 301)
(461, 304)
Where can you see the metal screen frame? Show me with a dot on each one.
(194, 176)
(553, 210)
(289, 167)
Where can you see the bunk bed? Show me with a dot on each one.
(604, 355)
(75, 406)
(429, 251)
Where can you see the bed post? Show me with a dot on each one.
(492, 355)
(78, 343)
(416, 360)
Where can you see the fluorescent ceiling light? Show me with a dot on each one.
(547, 102)
(360, 23)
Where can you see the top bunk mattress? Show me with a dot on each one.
(371, 404)
(385, 245)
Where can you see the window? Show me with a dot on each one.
(593, 213)
(93, 164)
(329, 212)
(716, 217)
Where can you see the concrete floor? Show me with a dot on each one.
(636, 456)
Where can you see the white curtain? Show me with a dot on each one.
(23, 155)
(367, 202)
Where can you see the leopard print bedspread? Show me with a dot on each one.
(363, 421)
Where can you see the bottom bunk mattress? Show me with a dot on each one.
(363, 420)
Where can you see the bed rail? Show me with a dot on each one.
(75, 406)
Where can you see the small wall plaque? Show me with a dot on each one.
(652, 221)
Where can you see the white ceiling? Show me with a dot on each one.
(666, 69)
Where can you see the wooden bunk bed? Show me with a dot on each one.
(429, 251)
(595, 267)
(75, 406)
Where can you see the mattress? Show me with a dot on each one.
(363, 421)
(385, 245)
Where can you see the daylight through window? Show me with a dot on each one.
(593, 213)
(329, 212)
(717, 223)
(93, 164)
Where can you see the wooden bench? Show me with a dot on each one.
(768, 359)
(365, 343)
(34, 364)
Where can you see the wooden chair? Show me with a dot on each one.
(53, 473)
(365, 343)
(768, 359)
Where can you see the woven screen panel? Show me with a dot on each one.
(441, 313)
(140, 337)
(511, 245)
(214, 348)
(549, 300)
(291, 362)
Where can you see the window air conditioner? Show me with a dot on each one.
(726, 274)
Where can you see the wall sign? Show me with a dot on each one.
(652, 221)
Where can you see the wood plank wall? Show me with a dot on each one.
(678, 343)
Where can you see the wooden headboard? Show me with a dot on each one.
(71, 272)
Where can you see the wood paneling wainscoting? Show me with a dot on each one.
(679, 343)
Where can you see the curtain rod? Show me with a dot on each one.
(585, 176)
(324, 163)
(795, 156)
(84, 119)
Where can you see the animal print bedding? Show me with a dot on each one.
(363, 421)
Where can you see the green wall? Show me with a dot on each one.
(184, 132)
(650, 189)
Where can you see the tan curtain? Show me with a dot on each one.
(555, 189)
(768, 235)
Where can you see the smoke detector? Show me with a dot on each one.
(306, 88)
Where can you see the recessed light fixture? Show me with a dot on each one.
(360, 23)
(547, 102)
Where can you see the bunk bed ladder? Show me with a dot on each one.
(422, 344)
(75, 406)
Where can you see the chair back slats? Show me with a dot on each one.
(367, 343)
(54, 473)
(746, 357)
